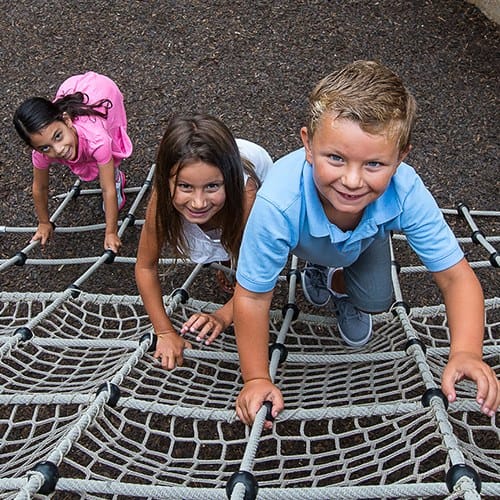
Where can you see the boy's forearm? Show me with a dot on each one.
(464, 301)
(251, 325)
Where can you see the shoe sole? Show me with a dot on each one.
(307, 296)
(123, 181)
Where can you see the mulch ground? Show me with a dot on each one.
(252, 63)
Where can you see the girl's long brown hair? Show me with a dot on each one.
(189, 139)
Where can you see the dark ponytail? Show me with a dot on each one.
(36, 113)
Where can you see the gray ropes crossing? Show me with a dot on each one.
(86, 411)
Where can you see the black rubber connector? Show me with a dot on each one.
(278, 346)
(50, 474)
(76, 191)
(110, 256)
(184, 295)
(131, 218)
(21, 259)
(415, 342)
(429, 394)
(75, 290)
(248, 480)
(458, 471)
(400, 303)
(25, 332)
(114, 393)
(461, 209)
(152, 338)
(475, 236)
(269, 406)
(494, 259)
(296, 310)
(293, 272)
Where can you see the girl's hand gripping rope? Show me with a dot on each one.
(169, 349)
(43, 233)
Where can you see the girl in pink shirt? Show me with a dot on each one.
(85, 128)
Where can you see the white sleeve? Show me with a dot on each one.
(257, 155)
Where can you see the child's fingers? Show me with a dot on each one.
(488, 392)
(215, 333)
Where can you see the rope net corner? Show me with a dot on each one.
(85, 410)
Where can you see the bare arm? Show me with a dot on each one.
(41, 201)
(251, 324)
(169, 345)
(108, 186)
(464, 302)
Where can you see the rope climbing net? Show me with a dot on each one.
(85, 410)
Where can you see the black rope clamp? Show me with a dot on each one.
(110, 256)
(415, 342)
(131, 218)
(21, 259)
(269, 406)
(76, 191)
(277, 346)
(50, 474)
(293, 272)
(75, 290)
(248, 480)
(296, 310)
(151, 338)
(25, 332)
(113, 393)
(495, 259)
(458, 471)
(400, 303)
(183, 294)
(461, 209)
(430, 394)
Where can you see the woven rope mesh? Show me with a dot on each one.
(81, 391)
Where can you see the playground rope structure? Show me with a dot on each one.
(85, 410)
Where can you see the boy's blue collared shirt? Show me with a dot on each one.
(288, 217)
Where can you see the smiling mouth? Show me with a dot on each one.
(351, 197)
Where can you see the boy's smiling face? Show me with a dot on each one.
(351, 168)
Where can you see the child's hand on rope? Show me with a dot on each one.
(112, 242)
(169, 349)
(204, 324)
(467, 365)
(43, 233)
(253, 395)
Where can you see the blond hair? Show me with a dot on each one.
(369, 94)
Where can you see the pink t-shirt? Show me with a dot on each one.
(99, 139)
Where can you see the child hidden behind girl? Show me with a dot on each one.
(85, 128)
(205, 184)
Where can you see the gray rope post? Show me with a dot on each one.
(242, 485)
(433, 397)
(478, 236)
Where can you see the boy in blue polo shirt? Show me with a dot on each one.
(334, 203)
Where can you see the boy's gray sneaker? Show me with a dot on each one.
(314, 284)
(355, 326)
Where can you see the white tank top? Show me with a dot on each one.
(205, 247)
